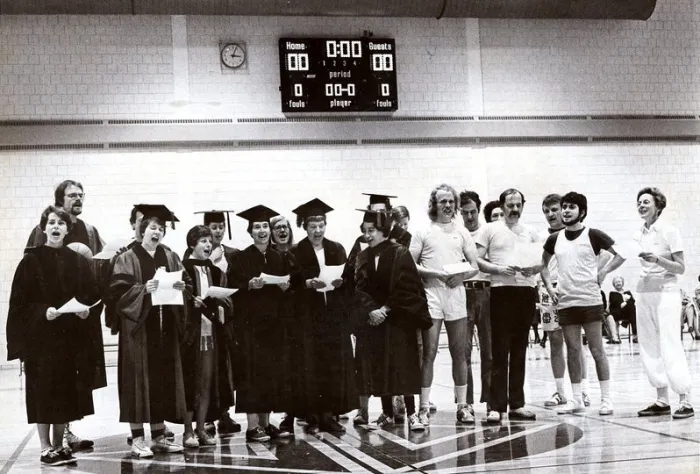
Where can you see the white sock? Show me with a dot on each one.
(584, 385)
(461, 394)
(425, 397)
(684, 399)
(560, 387)
(662, 396)
(576, 390)
(604, 388)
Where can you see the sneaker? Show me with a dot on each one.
(433, 407)
(49, 457)
(189, 440)
(466, 415)
(606, 407)
(257, 434)
(329, 425)
(205, 439)
(424, 417)
(586, 400)
(139, 448)
(521, 414)
(209, 427)
(164, 445)
(67, 455)
(685, 411)
(493, 417)
(168, 433)
(287, 424)
(275, 432)
(226, 426)
(362, 418)
(75, 443)
(655, 410)
(344, 416)
(384, 421)
(556, 400)
(414, 423)
(571, 407)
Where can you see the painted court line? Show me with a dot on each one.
(13, 457)
(416, 446)
(335, 456)
(357, 454)
(474, 448)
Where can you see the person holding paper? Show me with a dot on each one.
(59, 365)
(513, 299)
(444, 242)
(325, 316)
(70, 196)
(264, 373)
(151, 385)
(658, 306)
(578, 295)
(391, 296)
(205, 358)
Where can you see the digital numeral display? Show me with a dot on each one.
(338, 75)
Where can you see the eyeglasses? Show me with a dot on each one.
(278, 228)
(75, 195)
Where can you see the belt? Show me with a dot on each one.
(477, 284)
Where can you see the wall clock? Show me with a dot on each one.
(233, 55)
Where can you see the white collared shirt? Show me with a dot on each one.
(663, 239)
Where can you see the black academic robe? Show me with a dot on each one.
(261, 369)
(221, 392)
(150, 377)
(387, 355)
(326, 318)
(59, 360)
(629, 312)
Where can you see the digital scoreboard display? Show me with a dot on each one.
(338, 75)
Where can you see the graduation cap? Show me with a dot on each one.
(380, 199)
(159, 211)
(380, 217)
(258, 213)
(217, 216)
(315, 207)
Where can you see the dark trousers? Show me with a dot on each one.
(511, 317)
(388, 405)
(479, 314)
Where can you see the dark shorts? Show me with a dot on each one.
(581, 315)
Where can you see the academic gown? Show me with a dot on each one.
(150, 377)
(262, 367)
(60, 364)
(328, 359)
(221, 392)
(387, 355)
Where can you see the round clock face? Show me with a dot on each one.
(233, 55)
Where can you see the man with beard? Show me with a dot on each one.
(513, 298)
(551, 208)
(442, 244)
(478, 307)
(69, 196)
(578, 296)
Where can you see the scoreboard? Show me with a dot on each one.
(338, 75)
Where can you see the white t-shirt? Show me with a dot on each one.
(500, 242)
(439, 245)
(663, 239)
(475, 236)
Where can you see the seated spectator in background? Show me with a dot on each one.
(622, 311)
(690, 314)
(493, 211)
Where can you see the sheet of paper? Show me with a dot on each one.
(328, 274)
(111, 249)
(75, 306)
(274, 279)
(166, 294)
(219, 292)
(628, 249)
(454, 268)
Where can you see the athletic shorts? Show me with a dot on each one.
(445, 303)
(581, 315)
(548, 312)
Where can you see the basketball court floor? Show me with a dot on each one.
(583, 443)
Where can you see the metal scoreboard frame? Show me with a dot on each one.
(338, 75)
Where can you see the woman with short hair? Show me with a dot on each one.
(658, 306)
(58, 364)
